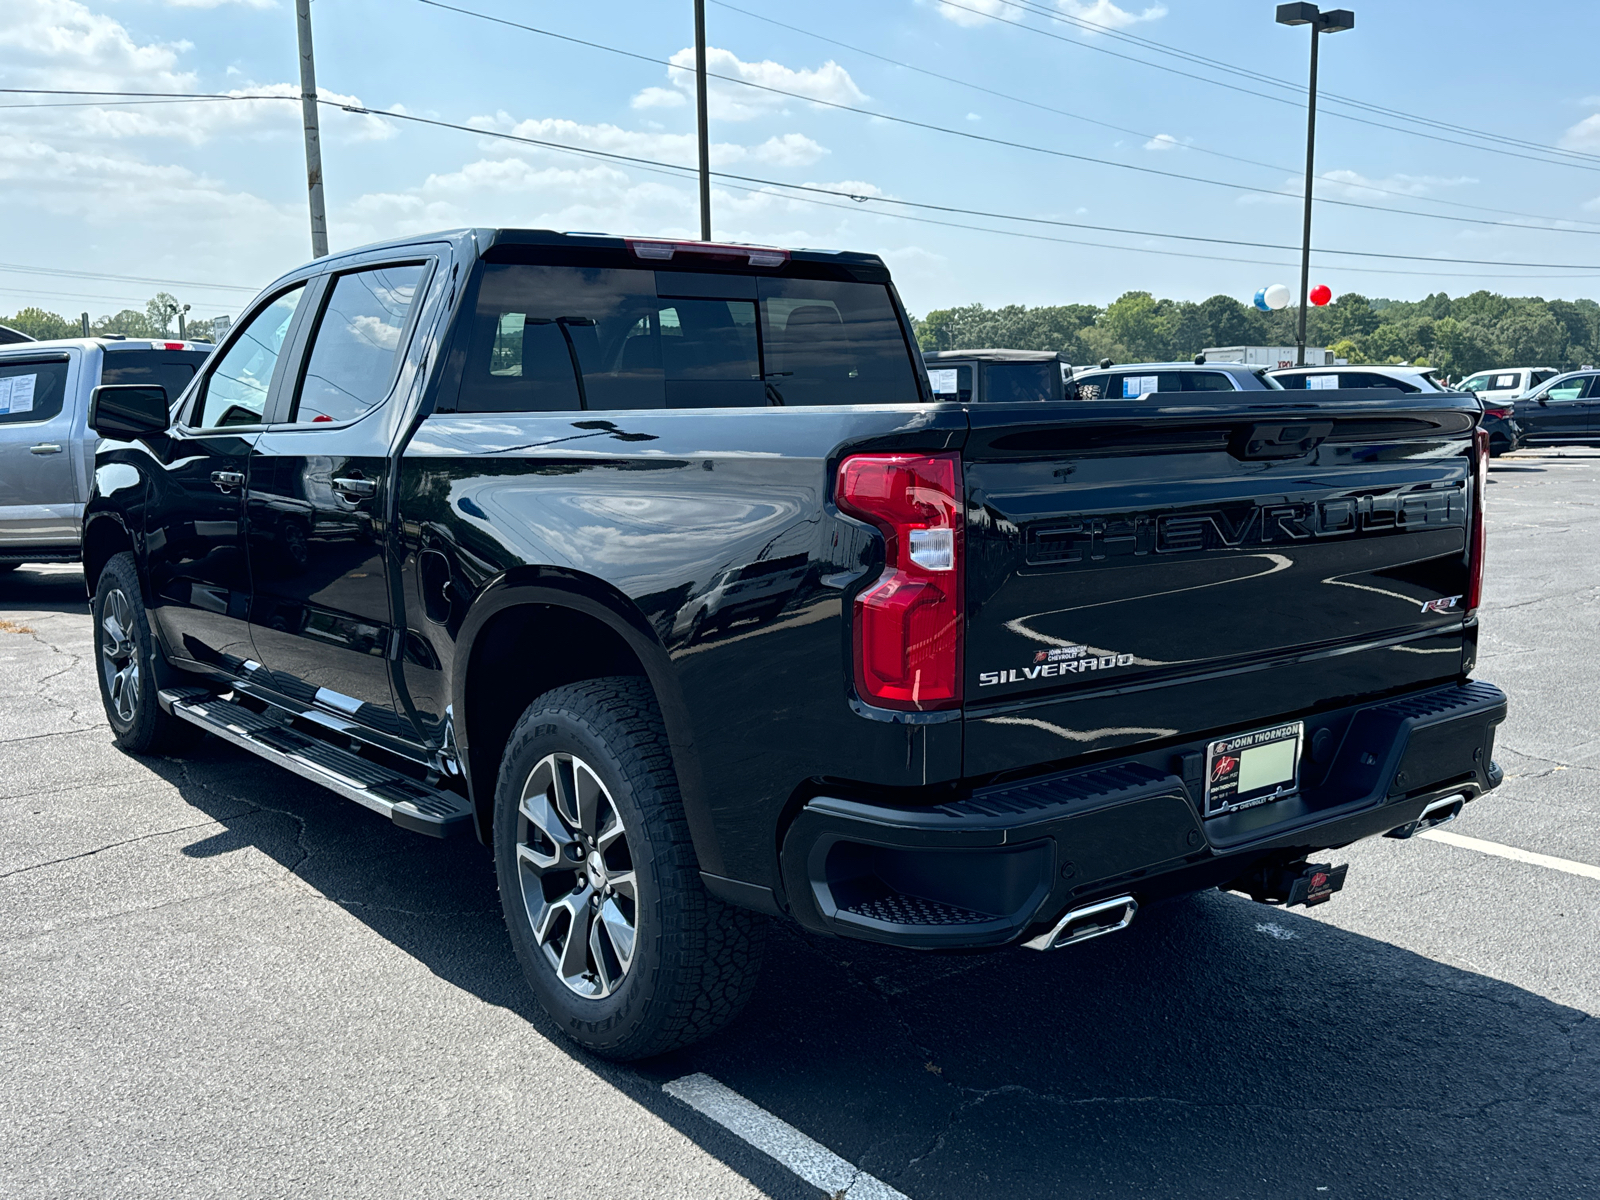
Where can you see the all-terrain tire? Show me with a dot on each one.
(128, 664)
(694, 960)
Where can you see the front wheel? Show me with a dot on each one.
(126, 652)
(617, 936)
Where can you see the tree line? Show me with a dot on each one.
(1459, 336)
(158, 320)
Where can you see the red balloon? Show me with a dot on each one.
(1321, 294)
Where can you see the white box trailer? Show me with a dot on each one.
(1268, 356)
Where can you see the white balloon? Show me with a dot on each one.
(1277, 296)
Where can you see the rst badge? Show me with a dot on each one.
(1442, 604)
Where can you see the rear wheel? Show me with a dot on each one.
(128, 656)
(617, 936)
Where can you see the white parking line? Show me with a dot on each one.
(812, 1161)
(1511, 852)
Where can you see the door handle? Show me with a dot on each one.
(227, 480)
(355, 489)
(45, 448)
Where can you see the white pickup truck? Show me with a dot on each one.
(46, 448)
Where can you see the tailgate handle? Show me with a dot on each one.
(1280, 439)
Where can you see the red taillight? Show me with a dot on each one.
(908, 624)
(1477, 536)
(1503, 414)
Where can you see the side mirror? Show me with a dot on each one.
(1544, 401)
(128, 410)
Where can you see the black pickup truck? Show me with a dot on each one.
(658, 566)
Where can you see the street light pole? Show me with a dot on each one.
(308, 113)
(1336, 21)
(705, 125)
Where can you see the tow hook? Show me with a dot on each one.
(1298, 883)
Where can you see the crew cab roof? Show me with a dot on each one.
(994, 356)
(867, 267)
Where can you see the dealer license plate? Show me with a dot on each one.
(1253, 768)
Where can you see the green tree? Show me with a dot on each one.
(37, 323)
(129, 323)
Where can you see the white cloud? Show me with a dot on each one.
(1163, 141)
(789, 150)
(655, 97)
(974, 117)
(731, 102)
(1585, 135)
(1103, 12)
(1099, 12)
(971, 12)
(1352, 185)
(218, 3)
(62, 44)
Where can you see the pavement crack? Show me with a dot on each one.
(143, 837)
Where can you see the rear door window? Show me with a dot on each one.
(1204, 381)
(1013, 383)
(553, 339)
(171, 369)
(358, 343)
(235, 391)
(31, 391)
(951, 383)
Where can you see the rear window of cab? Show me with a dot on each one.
(568, 338)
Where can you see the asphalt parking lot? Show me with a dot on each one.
(217, 979)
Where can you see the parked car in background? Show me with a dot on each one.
(1133, 381)
(997, 376)
(46, 448)
(1506, 383)
(1566, 409)
(1404, 379)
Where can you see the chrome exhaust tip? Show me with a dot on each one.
(1438, 813)
(1090, 921)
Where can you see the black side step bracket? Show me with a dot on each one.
(407, 802)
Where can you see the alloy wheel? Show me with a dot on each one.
(119, 661)
(578, 882)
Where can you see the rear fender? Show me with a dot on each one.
(596, 599)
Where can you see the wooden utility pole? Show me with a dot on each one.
(308, 112)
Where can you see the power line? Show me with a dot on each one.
(1263, 95)
(655, 164)
(1200, 59)
(1121, 128)
(985, 138)
(227, 287)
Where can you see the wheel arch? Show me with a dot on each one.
(105, 535)
(582, 628)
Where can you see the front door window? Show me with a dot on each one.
(236, 392)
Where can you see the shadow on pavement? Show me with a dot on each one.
(1217, 1048)
(43, 589)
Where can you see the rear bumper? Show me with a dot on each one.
(1003, 864)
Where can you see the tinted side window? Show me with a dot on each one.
(31, 391)
(834, 343)
(1204, 381)
(171, 369)
(1568, 389)
(236, 390)
(357, 343)
(1009, 383)
(1093, 387)
(1366, 379)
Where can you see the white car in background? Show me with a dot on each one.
(1404, 379)
(1506, 383)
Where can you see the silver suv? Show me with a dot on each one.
(46, 448)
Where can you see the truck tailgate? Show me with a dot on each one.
(1138, 574)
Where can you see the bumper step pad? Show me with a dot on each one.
(408, 802)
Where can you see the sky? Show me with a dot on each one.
(1040, 115)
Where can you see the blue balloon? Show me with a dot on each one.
(1261, 300)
